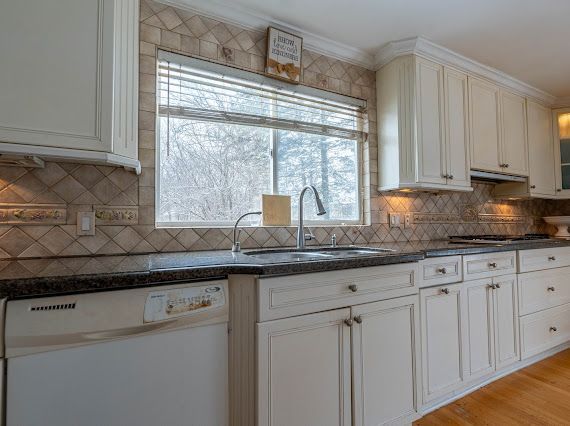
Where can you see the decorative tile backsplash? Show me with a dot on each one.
(30, 199)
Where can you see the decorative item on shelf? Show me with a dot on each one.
(276, 210)
(283, 55)
(561, 222)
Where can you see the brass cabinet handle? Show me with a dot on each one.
(442, 270)
(551, 288)
(445, 290)
(551, 258)
(553, 329)
(358, 319)
(492, 265)
(353, 288)
(348, 322)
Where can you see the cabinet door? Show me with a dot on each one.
(542, 179)
(514, 147)
(561, 123)
(477, 321)
(506, 321)
(484, 134)
(303, 375)
(429, 121)
(456, 128)
(385, 361)
(442, 363)
(58, 81)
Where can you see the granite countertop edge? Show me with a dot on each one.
(162, 269)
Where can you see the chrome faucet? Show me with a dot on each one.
(236, 245)
(301, 237)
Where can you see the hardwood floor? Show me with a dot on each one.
(536, 395)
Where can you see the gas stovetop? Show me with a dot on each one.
(498, 239)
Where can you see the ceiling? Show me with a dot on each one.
(527, 39)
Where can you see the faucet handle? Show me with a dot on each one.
(309, 237)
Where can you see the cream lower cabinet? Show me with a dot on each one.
(441, 336)
(490, 313)
(349, 366)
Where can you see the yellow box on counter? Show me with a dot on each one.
(276, 210)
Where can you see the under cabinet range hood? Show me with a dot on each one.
(492, 177)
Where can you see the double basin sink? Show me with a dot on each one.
(318, 253)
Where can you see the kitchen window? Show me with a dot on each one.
(226, 136)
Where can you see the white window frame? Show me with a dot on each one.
(261, 79)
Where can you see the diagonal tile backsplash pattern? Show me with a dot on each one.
(77, 187)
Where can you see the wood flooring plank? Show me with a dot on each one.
(538, 395)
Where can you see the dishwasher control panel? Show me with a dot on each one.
(171, 303)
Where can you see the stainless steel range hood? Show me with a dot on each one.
(480, 176)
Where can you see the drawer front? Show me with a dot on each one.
(488, 265)
(281, 297)
(441, 270)
(544, 330)
(538, 259)
(543, 289)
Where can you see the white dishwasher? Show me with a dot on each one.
(150, 356)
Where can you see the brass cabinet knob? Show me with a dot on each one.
(348, 322)
(442, 270)
(533, 187)
(551, 288)
(492, 265)
(551, 258)
(450, 177)
(558, 190)
(353, 288)
(445, 290)
(497, 285)
(358, 319)
(553, 329)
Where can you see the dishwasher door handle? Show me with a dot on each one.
(128, 331)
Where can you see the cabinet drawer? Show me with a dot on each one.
(538, 259)
(281, 297)
(441, 270)
(543, 289)
(488, 265)
(544, 330)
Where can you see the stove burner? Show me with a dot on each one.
(497, 239)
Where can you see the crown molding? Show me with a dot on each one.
(250, 20)
(429, 50)
(563, 102)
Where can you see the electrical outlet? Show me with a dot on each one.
(407, 220)
(85, 223)
(394, 219)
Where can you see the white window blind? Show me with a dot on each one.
(220, 94)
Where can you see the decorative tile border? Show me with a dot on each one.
(436, 218)
(33, 214)
(497, 218)
(107, 215)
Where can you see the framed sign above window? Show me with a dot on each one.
(284, 52)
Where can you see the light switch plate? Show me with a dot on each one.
(407, 220)
(394, 220)
(85, 223)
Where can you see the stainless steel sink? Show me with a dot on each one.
(316, 253)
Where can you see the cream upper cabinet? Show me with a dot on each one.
(304, 370)
(542, 176)
(385, 362)
(561, 123)
(514, 147)
(484, 122)
(442, 360)
(456, 127)
(422, 126)
(70, 80)
(497, 122)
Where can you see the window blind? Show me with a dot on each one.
(199, 90)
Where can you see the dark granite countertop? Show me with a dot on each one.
(51, 276)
